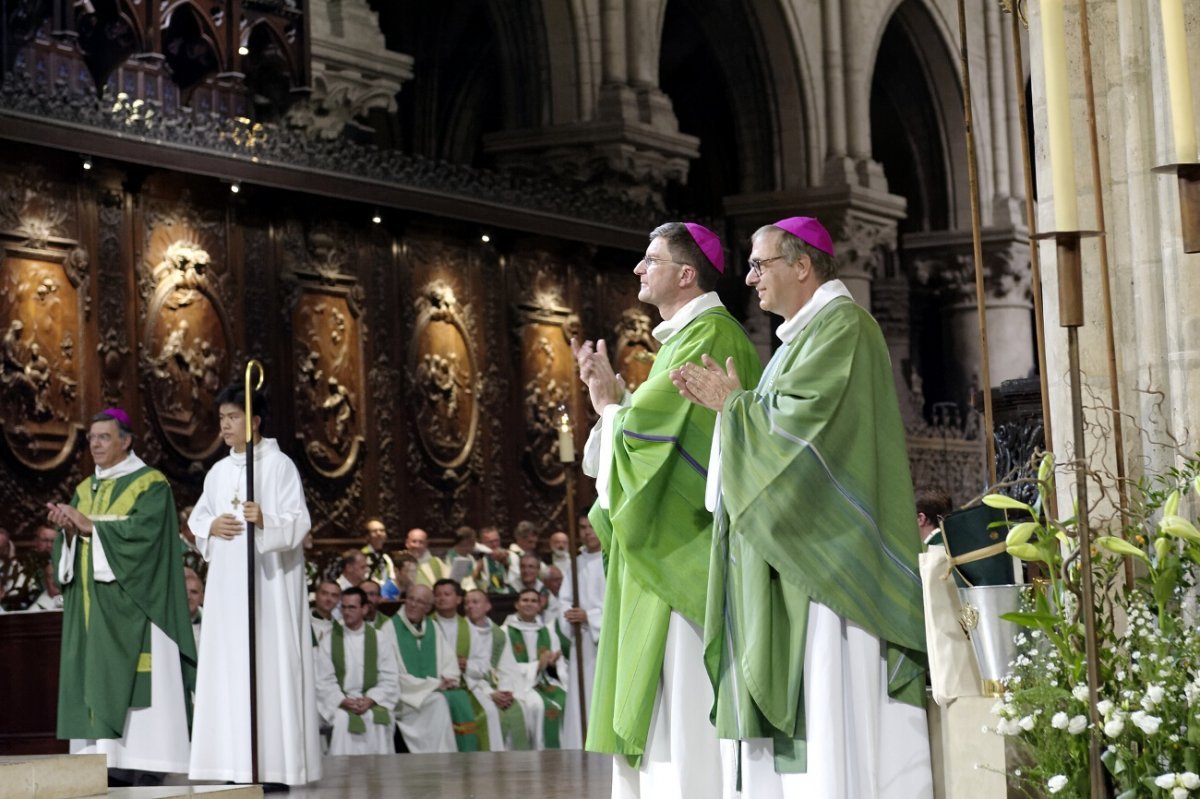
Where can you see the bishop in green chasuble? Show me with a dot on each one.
(127, 640)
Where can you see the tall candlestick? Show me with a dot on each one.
(1058, 112)
(1183, 122)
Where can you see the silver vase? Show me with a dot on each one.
(991, 636)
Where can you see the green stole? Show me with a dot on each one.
(554, 698)
(657, 534)
(512, 718)
(105, 669)
(419, 652)
(462, 650)
(370, 673)
(824, 418)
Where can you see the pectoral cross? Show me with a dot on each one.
(237, 503)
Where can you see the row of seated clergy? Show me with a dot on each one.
(461, 690)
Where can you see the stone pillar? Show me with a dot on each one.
(353, 72)
(945, 260)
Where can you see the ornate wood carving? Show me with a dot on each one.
(185, 355)
(114, 341)
(634, 353)
(544, 330)
(43, 305)
(325, 309)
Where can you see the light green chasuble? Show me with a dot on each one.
(816, 505)
(105, 667)
(656, 532)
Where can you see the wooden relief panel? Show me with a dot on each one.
(445, 377)
(545, 327)
(186, 342)
(326, 311)
(41, 311)
(633, 354)
(43, 308)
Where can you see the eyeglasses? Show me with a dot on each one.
(650, 261)
(103, 438)
(756, 264)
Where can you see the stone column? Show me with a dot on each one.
(945, 260)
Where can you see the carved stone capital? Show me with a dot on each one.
(353, 73)
(945, 262)
(632, 159)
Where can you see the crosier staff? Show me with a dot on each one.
(251, 565)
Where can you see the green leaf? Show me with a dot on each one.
(1025, 619)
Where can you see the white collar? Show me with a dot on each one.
(826, 293)
(261, 448)
(525, 626)
(669, 327)
(128, 466)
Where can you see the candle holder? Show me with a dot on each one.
(1071, 316)
(1188, 175)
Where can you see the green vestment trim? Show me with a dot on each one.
(462, 649)
(553, 696)
(105, 666)
(512, 718)
(657, 534)
(370, 673)
(420, 659)
(816, 505)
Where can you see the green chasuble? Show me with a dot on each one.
(419, 652)
(816, 504)
(105, 667)
(656, 533)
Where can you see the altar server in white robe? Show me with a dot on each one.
(587, 612)
(422, 714)
(289, 744)
(358, 705)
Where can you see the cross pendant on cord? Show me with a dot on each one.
(237, 503)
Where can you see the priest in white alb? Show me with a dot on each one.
(492, 677)
(586, 612)
(289, 744)
(358, 682)
(428, 669)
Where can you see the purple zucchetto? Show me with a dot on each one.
(808, 230)
(119, 416)
(709, 244)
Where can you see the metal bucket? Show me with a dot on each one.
(991, 636)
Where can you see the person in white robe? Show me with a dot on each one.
(289, 744)
(494, 678)
(430, 568)
(539, 667)
(422, 713)
(359, 714)
(327, 600)
(560, 542)
(587, 612)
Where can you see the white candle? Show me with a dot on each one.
(566, 446)
(1058, 112)
(1179, 82)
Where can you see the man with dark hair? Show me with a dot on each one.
(933, 505)
(358, 681)
(537, 652)
(815, 634)
(128, 655)
(325, 607)
(379, 563)
(649, 454)
(525, 542)
(289, 740)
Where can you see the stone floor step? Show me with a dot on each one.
(183, 791)
(52, 776)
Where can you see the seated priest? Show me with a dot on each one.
(325, 608)
(430, 568)
(358, 682)
(537, 652)
(428, 671)
(494, 680)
